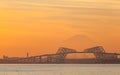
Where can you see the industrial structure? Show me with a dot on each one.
(101, 57)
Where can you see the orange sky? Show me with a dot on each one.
(41, 26)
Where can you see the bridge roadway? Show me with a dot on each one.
(73, 53)
(57, 58)
(62, 53)
(77, 53)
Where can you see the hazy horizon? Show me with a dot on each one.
(42, 26)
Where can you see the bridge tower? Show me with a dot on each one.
(62, 53)
(98, 51)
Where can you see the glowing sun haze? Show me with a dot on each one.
(41, 26)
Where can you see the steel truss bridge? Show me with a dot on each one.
(62, 53)
(60, 56)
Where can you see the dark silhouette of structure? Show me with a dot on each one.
(101, 57)
(27, 54)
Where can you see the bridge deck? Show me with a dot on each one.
(73, 53)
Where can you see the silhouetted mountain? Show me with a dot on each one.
(79, 42)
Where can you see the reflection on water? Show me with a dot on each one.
(59, 69)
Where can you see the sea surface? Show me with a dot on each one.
(59, 69)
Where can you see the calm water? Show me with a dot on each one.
(70, 69)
